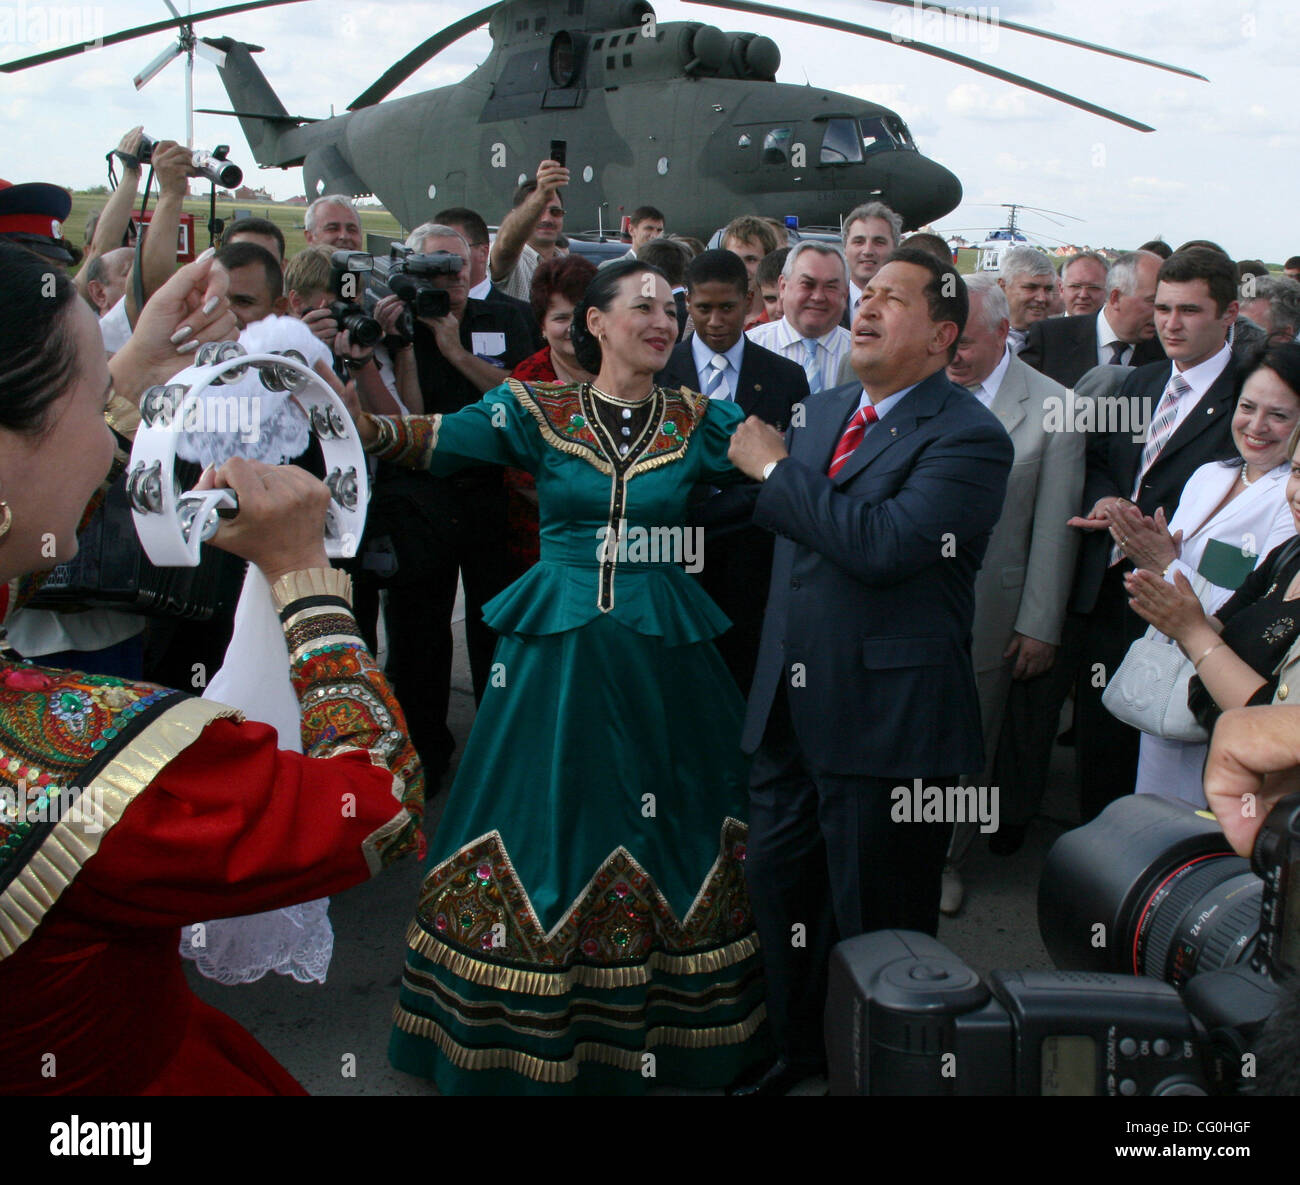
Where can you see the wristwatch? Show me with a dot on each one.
(767, 469)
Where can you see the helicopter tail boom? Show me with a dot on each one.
(249, 92)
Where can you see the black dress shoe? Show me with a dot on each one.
(1008, 839)
(780, 1078)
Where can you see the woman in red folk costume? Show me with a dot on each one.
(128, 810)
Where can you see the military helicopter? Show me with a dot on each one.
(678, 114)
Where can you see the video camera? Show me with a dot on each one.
(1145, 900)
(352, 319)
(212, 165)
(409, 276)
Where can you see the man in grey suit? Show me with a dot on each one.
(883, 505)
(1023, 587)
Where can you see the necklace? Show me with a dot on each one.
(1247, 481)
(614, 399)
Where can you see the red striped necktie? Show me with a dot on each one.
(852, 437)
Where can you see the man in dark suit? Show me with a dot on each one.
(864, 688)
(1187, 407)
(470, 224)
(721, 361)
(1122, 333)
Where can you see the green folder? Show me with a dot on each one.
(1225, 565)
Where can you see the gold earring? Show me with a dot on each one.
(6, 519)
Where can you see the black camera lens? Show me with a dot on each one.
(363, 330)
(420, 296)
(1147, 888)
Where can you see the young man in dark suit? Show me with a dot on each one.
(883, 506)
(1187, 406)
(1122, 333)
(737, 555)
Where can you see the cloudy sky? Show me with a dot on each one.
(1222, 163)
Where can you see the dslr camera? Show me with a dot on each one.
(346, 268)
(212, 165)
(1171, 951)
(410, 276)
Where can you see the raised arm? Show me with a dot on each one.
(518, 226)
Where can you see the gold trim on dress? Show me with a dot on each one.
(548, 1070)
(75, 838)
(556, 983)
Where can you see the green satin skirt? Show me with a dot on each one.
(584, 926)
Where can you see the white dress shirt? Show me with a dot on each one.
(987, 391)
(783, 338)
(1105, 336)
(115, 328)
(703, 357)
(1200, 378)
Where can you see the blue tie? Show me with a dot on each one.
(715, 382)
(810, 365)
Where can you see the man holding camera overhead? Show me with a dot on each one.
(444, 527)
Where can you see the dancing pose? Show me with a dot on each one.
(584, 925)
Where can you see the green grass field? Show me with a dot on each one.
(287, 218)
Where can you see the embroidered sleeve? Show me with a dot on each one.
(494, 431)
(347, 704)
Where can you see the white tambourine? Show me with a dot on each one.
(172, 524)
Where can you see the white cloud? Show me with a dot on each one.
(894, 95)
(972, 100)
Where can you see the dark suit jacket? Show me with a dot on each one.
(1205, 434)
(738, 555)
(497, 297)
(873, 583)
(1065, 348)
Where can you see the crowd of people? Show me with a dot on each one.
(749, 537)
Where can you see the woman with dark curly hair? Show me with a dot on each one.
(584, 925)
(558, 288)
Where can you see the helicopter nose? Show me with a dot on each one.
(920, 189)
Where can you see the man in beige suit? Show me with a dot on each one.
(1024, 584)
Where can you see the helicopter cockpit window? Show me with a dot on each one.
(875, 136)
(776, 147)
(900, 132)
(840, 145)
(744, 141)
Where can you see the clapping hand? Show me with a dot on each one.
(1174, 609)
(1143, 539)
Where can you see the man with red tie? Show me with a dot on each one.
(883, 505)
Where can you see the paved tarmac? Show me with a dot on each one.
(333, 1037)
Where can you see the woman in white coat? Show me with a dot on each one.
(1231, 515)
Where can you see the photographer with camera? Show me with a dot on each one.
(444, 527)
(313, 280)
(112, 222)
(173, 165)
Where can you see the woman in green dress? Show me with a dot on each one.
(584, 925)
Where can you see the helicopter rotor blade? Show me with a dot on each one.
(400, 71)
(157, 66)
(69, 51)
(807, 18)
(174, 10)
(204, 50)
(1064, 40)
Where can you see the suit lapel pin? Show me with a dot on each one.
(893, 432)
(1209, 411)
(758, 386)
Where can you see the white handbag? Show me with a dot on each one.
(1149, 691)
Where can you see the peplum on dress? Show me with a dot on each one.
(584, 925)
